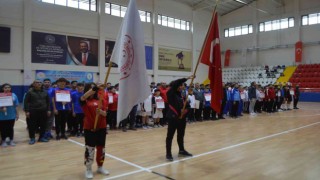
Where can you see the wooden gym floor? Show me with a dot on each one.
(284, 145)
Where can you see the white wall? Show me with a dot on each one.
(25, 16)
(272, 56)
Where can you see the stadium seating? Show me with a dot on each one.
(307, 76)
(246, 75)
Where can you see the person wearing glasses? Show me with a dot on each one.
(37, 109)
(8, 115)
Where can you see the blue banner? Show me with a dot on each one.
(69, 75)
(149, 54)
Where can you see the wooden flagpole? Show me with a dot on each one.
(198, 62)
(101, 97)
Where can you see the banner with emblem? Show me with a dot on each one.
(69, 75)
(48, 48)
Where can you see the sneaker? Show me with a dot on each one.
(89, 174)
(124, 129)
(103, 171)
(32, 141)
(7, 140)
(144, 127)
(169, 157)
(184, 153)
(57, 137)
(133, 128)
(43, 139)
(11, 143)
(64, 136)
(4, 144)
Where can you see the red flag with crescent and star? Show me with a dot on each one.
(211, 56)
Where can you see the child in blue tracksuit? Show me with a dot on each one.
(235, 100)
(207, 104)
(227, 108)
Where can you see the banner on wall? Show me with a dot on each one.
(227, 58)
(50, 48)
(69, 75)
(109, 45)
(298, 51)
(174, 60)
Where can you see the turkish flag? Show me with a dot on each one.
(227, 58)
(211, 56)
(298, 51)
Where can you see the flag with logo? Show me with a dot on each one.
(129, 54)
(211, 56)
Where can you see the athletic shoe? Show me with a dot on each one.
(43, 139)
(103, 171)
(133, 128)
(32, 141)
(89, 174)
(11, 143)
(57, 137)
(7, 140)
(145, 127)
(184, 153)
(64, 136)
(169, 157)
(4, 144)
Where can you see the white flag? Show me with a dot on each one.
(129, 54)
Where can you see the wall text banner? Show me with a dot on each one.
(175, 60)
(69, 75)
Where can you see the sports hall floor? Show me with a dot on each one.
(284, 145)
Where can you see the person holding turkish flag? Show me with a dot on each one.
(211, 56)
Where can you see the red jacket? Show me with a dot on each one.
(163, 93)
(270, 94)
(114, 106)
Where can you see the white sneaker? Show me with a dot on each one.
(11, 143)
(101, 170)
(89, 174)
(4, 144)
(7, 140)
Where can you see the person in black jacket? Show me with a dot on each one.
(176, 118)
(296, 97)
(37, 109)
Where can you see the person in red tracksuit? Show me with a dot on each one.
(94, 137)
(270, 97)
(113, 108)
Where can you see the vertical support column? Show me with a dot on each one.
(102, 31)
(255, 40)
(155, 43)
(28, 77)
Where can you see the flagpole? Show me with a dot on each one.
(198, 62)
(101, 98)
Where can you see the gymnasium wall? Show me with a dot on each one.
(270, 39)
(25, 16)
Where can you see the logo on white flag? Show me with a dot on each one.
(127, 57)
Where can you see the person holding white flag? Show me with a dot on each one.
(129, 54)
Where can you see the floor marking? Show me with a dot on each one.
(149, 169)
(214, 151)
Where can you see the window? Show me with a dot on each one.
(276, 24)
(120, 11)
(237, 31)
(88, 5)
(311, 19)
(226, 33)
(173, 22)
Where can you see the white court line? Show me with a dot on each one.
(114, 157)
(215, 151)
(149, 169)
